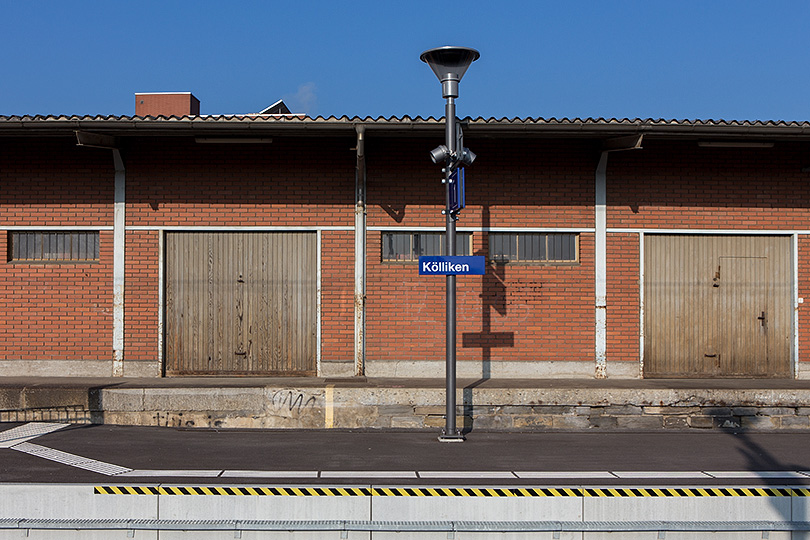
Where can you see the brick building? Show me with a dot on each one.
(176, 243)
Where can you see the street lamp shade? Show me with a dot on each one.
(450, 64)
(439, 154)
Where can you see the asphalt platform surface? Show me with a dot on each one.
(349, 457)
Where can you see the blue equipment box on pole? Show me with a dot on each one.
(457, 197)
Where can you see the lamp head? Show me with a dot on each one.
(439, 154)
(449, 64)
(466, 157)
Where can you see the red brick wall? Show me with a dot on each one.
(289, 182)
(672, 184)
(292, 183)
(55, 311)
(804, 292)
(623, 297)
(52, 182)
(141, 293)
(514, 312)
(513, 183)
(337, 296)
(680, 185)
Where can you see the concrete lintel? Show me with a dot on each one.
(96, 140)
(628, 142)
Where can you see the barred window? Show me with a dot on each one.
(53, 246)
(533, 247)
(403, 247)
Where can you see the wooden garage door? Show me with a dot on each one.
(717, 306)
(241, 303)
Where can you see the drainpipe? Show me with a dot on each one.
(95, 140)
(600, 264)
(631, 142)
(119, 223)
(360, 254)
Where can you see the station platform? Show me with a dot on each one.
(399, 403)
(102, 481)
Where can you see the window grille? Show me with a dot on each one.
(533, 247)
(53, 246)
(405, 247)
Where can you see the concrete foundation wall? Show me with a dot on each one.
(479, 408)
(481, 405)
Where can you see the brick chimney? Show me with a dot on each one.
(166, 104)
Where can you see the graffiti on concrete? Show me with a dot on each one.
(292, 401)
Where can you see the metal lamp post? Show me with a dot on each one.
(449, 64)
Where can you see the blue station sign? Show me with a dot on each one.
(474, 265)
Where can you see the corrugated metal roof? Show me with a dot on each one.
(593, 127)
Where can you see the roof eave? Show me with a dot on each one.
(306, 126)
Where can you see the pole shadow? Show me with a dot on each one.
(760, 461)
(493, 298)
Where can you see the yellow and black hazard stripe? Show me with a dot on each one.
(473, 492)
(691, 492)
(329, 491)
(230, 490)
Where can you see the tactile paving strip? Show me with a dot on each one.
(70, 459)
(21, 434)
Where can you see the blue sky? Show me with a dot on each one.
(709, 59)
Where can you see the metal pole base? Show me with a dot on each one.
(458, 437)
